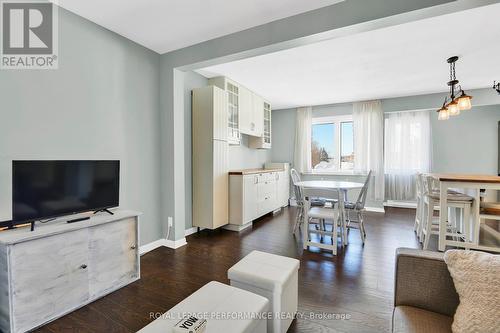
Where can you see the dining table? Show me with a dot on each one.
(342, 186)
(469, 182)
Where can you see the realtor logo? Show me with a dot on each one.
(29, 35)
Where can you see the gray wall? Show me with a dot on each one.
(467, 143)
(102, 103)
(242, 157)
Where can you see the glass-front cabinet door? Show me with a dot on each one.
(267, 124)
(233, 130)
(233, 107)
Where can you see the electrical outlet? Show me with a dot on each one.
(170, 221)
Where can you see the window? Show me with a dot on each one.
(332, 144)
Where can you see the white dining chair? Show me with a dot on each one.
(299, 199)
(358, 208)
(420, 205)
(329, 216)
(457, 229)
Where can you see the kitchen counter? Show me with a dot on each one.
(254, 171)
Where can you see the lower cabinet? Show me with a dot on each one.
(45, 277)
(254, 195)
(49, 276)
(113, 257)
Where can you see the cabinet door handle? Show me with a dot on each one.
(83, 266)
(256, 180)
(133, 247)
(252, 125)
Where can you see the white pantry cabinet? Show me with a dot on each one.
(210, 158)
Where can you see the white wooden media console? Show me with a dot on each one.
(60, 267)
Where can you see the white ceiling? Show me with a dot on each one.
(167, 25)
(408, 59)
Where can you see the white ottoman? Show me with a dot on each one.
(227, 309)
(271, 276)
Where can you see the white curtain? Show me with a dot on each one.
(302, 151)
(407, 152)
(368, 119)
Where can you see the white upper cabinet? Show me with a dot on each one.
(233, 107)
(246, 111)
(263, 141)
(257, 123)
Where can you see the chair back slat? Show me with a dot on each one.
(299, 198)
(364, 191)
(310, 194)
(418, 184)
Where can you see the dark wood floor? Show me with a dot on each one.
(358, 282)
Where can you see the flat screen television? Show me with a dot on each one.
(49, 189)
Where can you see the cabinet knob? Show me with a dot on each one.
(83, 266)
(133, 247)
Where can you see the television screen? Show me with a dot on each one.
(47, 189)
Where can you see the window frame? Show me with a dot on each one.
(337, 121)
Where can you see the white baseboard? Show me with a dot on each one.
(175, 244)
(400, 204)
(237, 228)
(143, 249)
(375, 209)
(190, 231)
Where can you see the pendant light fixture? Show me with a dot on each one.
(457, 103)
(496, 86)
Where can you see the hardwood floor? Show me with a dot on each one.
(357, 283)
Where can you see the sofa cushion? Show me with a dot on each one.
(409, 319)
(475, 275)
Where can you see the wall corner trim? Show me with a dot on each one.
(175, 244)
(143, 249)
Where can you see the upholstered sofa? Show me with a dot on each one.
(425, 298)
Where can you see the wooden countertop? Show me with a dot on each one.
(253, 171)
(467, 178)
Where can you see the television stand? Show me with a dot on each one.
(104, 210)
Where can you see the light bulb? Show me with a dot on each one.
(464, 102)
(453, 109)
(443, 114)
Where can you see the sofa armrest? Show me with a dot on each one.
(423, 281)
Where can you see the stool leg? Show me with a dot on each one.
(334, 236)
(428, 223)
(361, 227)
(423, 222)
(466, 224)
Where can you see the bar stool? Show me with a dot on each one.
(431, 203)
(417, 227)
